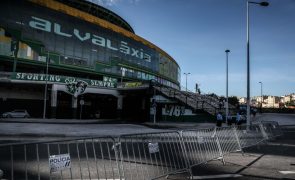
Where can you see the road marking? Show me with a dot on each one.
(287, 172)
(278, 144)
(218, 176)
(99, 179)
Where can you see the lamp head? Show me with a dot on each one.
(264, 4)
(227, 51)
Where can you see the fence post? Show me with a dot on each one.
(238, 140)
(184, 151)
(118, 156)
(11, 159)
(219, 147)
(264, 134)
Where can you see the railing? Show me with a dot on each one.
(132, 156)
(195, 101)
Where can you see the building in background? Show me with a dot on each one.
(271, 101)
(97, 66)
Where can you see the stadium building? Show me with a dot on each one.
(75, 59)
(81, 59)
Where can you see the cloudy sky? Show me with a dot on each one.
(197, 32)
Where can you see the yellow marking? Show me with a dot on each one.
(95, 20)
(5, 39)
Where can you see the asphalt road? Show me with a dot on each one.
(282, 119)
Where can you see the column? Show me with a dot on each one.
(53, 102)
(74, 107)
(119, 106)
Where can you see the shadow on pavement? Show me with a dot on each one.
(265, 161)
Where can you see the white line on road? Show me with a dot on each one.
(218, 176)
(100, 179)
(287, 172)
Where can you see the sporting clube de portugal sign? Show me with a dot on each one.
(31, 77)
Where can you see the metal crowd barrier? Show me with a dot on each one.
(93, 158)
(201, 146)
(132, 156)
(272, 129)
(152, 155)
(251, 136)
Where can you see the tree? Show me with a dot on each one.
(291, 103)
(233, 100)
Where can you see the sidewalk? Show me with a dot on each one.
(58, 121)
(273, 160)
(178, 125)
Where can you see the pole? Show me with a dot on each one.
(226, 107)
(122, 74)
(81, 106)
(81, 110)
(14, 64)
(155, 106)
(186, 74)
(186, 83)
(45, 89)
(261, 101)
(248, 60)
(15, 51)
(248, 69)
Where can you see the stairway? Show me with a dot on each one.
(195, 101)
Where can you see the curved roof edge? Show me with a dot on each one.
(95, 20)
(98, 11)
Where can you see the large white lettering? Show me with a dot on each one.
(109, 45)
(45, 25)
(77, 34)
(97, 40)
(40, 24)
(57, 30)
(124, 48)
(37, 77)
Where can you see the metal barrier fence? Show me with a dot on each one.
(272, 129)
(88, 159)
(148, 156)
(201, 146)
(132, 156)
(253, 136)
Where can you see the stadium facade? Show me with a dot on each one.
(78, 57)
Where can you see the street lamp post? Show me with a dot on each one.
(186, 74)
(261, 96)
(123, 71)
(248, 59)
(226, 106)
(45, 88)
(14, 48)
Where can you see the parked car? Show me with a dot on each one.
(19, 113)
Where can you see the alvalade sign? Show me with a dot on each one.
(47, 26)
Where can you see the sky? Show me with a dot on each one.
(196, 34)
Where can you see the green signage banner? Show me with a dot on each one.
(106, 82)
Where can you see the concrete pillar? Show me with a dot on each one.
(143, 103)
(144, 115)
(74, 107)
(119, 107)
(53, 102)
